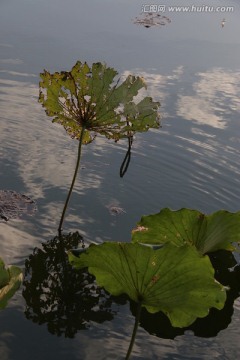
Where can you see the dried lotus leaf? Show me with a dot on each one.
(13, 205)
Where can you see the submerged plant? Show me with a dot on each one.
(88, 101)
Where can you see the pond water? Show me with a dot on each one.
(191, 65)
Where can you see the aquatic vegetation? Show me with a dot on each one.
(149, 19)
(10, 281)
(88, 101)
(170, 279)
(208, 233)
(115, 210)
(13, 205)
(165, 268)
(175, 280)
(227, 272)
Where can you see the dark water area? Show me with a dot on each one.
(192, 67)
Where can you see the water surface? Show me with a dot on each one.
(192, 67)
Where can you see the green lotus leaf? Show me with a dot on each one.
(10, 281)
(4, 275)
(89, 97)
(207, 233)
(175, 280)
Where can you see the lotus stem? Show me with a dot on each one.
(73, 181)
(137, 319)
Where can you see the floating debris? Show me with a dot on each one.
(13, 205)
(139, 228)
(223, 22)
(151, 19)
(115, 210)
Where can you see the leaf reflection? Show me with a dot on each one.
(127, 158)
(59, 296)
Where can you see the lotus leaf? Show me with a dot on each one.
(207, 233)
(10, 280)
(87, 98)
(175, 280)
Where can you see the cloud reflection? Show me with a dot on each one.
(44, 155)
(215, 96)
(157, 84)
